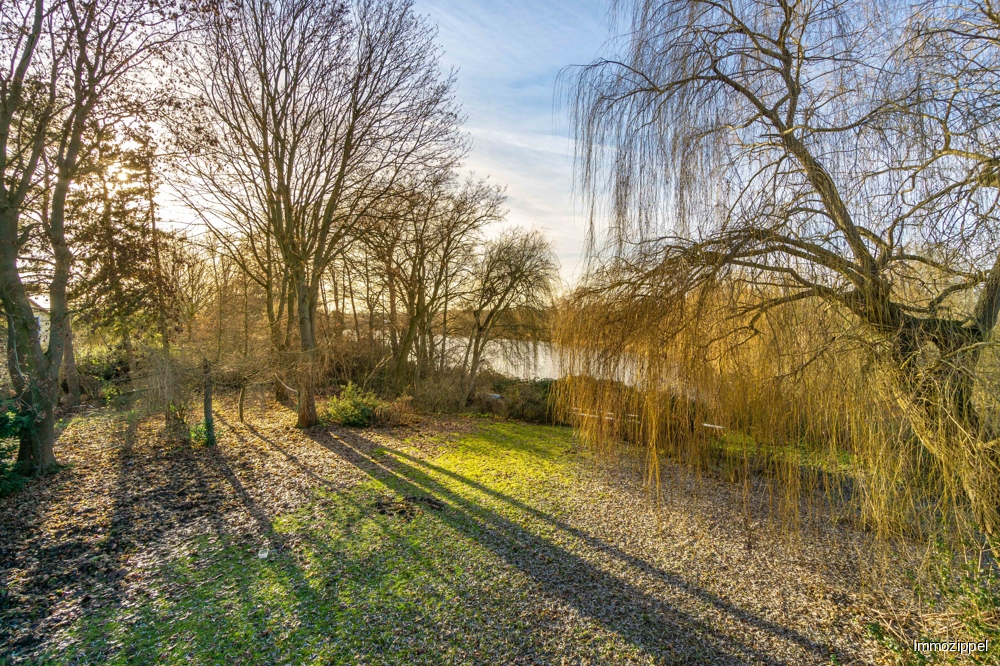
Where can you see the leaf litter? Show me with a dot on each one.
(573, 566)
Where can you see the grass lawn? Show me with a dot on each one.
(398, 569)
(450, 541)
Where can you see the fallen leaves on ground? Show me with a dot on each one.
(502, 549)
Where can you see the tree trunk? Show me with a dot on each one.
(209, 420)
(473, 370)
(36, 400)
(393, 335)
(33, 374)
(281, 394)
(172, 414)
(974, 462)
(129, 353)
(403, 352)
(307, 416)
(35, 456)
(14, 366)
(938, 404)
(243, 395)
(281, 389)
(444, 326)
(277, 343)
(69, 365)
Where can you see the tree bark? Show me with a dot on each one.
(129, 352)
(209, 420)
(444, 326)
(307, 416)
(35, 456)
(38, 370)
(393, 335)
(69, 365)
(477, 352)
(242, 402)
(403, 352)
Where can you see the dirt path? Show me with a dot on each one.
(510, 547)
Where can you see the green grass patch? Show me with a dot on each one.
(733, 448)
(416, 565)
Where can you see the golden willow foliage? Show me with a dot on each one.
(792, 401)
(794, 237)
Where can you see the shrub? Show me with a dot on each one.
(10, 480)
(353, 408)
(397, 412)
(11, 425)
(199, 435)
(101, 372)
(524, 400)
(113, 395)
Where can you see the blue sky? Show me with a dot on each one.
(508, 54)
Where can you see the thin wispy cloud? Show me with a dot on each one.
(508, 55)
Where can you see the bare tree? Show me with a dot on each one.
(64, 64)
(774, 144)
(313, 112)
(515, 271)
(421, 237)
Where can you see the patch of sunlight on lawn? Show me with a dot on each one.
(362, 586)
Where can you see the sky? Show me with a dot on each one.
(507, 54)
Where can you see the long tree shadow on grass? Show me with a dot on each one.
(637, 563)
(170, 501)
(267, 612)
(663, 631)
(80, 567)
(69, 569)
(176, 495)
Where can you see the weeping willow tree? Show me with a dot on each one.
(801, 242)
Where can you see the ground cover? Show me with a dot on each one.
(449, 540)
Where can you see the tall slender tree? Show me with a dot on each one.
(308, 114)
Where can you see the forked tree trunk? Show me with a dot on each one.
(477, 353)
(40, 367)
(37, 385)
(404, 348)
